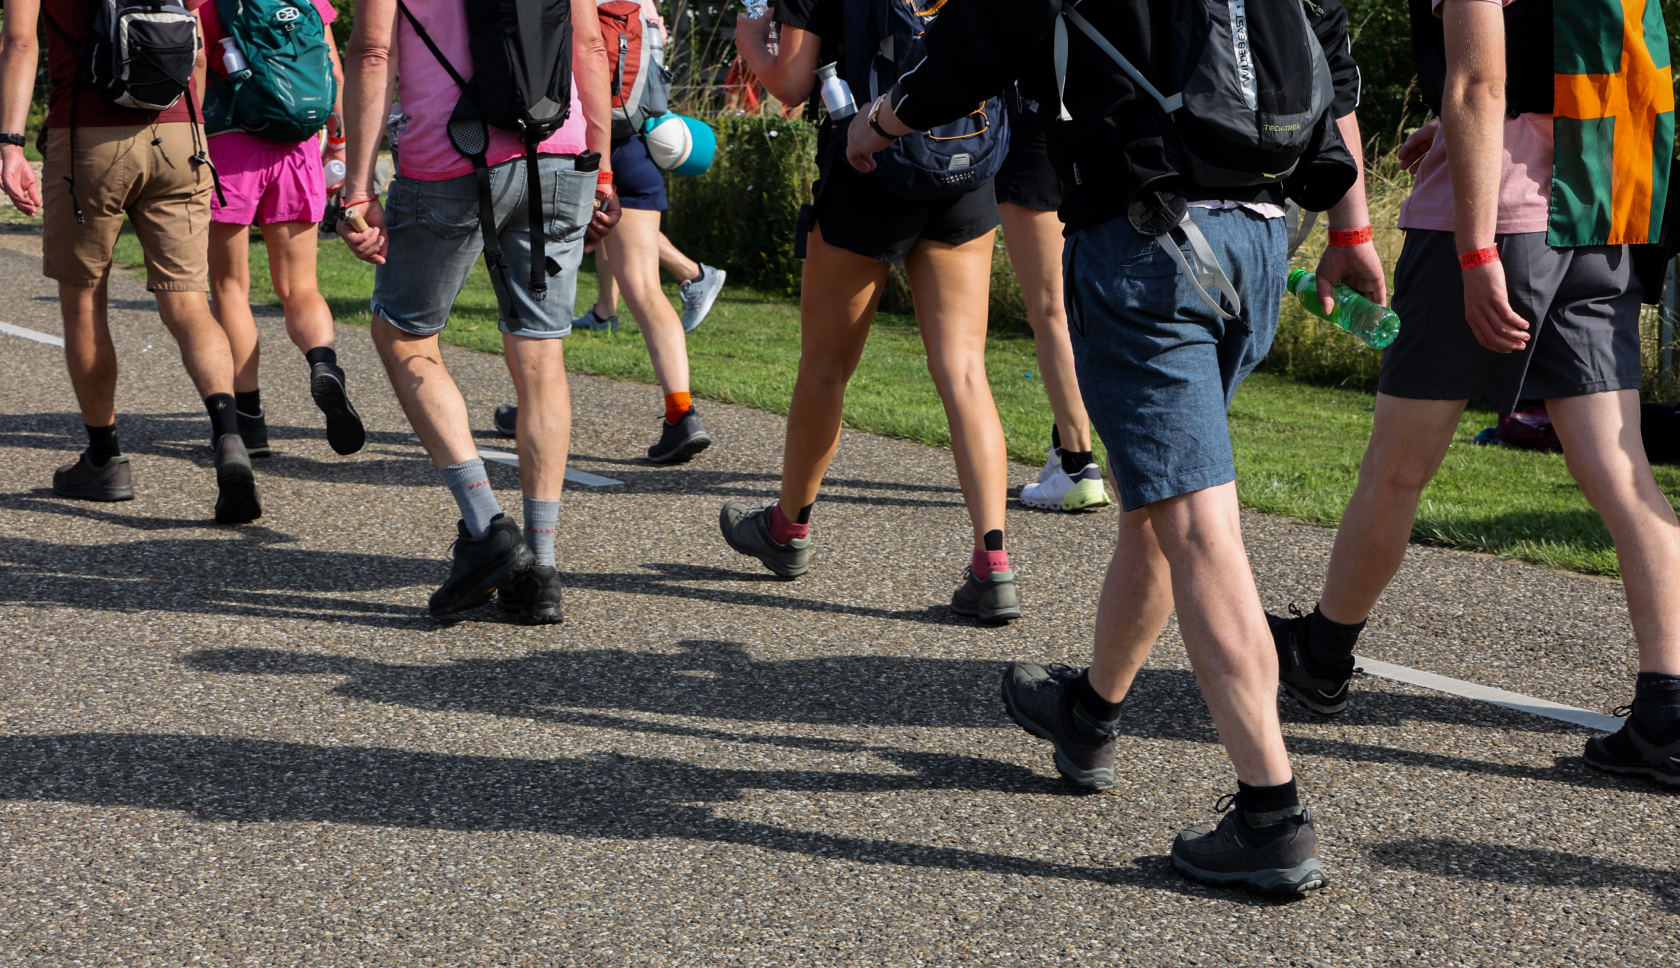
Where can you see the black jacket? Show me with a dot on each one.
(1117, 136)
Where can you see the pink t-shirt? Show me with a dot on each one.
(1525, 178)
(428, 97)
(233, 148)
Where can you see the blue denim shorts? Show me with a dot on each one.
(435, 240)
(1157, 367)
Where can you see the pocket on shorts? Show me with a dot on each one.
(1146, 260)
(448, 209)
(571, 204)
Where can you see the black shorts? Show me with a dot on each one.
(639, 181)
(1027, 177)
(856, 215)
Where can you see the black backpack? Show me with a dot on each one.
(522, 82)
(139, 54)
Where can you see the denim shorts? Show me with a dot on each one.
(1157, 367)
(435, 240)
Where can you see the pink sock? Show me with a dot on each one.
(782, 530)
(986, 562)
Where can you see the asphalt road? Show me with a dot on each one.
(250, 745)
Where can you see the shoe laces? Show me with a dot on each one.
(1224, 804)
(1623, 712)
(1295, 611)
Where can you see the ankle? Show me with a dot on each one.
(783, 531)
(102, 444)
(677, 404)
(1264, 808)
(321, 354)
(1092, 714)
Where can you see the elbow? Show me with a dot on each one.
(21, 46)
(1476, 89)
(366, 56)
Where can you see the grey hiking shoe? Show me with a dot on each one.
(1631, 751)
(1281, 862)
(534, 596)
(1037, 698)
(1323, 691)
(680, 441)
(506, 420)
(81, 478)
(993, 600)
(747, 529)
(480, 565)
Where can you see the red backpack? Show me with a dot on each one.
(641, 86)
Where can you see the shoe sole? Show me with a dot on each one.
(1080, 498)
(1313, 705)
(707, 303)
(96, 493)
(785, 572)
(345, 432)
(685, 451)
(502, 432)
(991, 616)
(236, 500)
(1649, 773)
(1090, 781)
(1272, 882)
(548, 615)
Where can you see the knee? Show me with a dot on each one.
(958, 376)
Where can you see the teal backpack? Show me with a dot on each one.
(289, 89)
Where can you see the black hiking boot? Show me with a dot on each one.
(254, 432)
(236, 483)
(81, 478)
(1323, 691)
(345, 433)
(1631, 751)
(1038, 699)
(534, 596)
(480, 565)
(1280, 861)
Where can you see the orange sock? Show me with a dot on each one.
(676, 404)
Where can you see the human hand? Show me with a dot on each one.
(862, 141)
(1356, 266)
(1487, 309)
(17, 177)
(1411, 153)
(752, 30)
(370, 244)
(601, 223)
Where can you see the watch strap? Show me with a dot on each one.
(11, 139)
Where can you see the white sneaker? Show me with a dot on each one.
(1060, 492)
(698, 297)
(1052, 465)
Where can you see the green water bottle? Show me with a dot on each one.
(1376, 325)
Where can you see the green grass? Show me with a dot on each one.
(1298, 445)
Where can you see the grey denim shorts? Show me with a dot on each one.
(1582, 306)
(435, 239)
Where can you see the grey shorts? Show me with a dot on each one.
(435, 240)
(1582, 306)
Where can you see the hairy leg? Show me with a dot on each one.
(204, 347)
(538, 367)
(89, 353)
(1136, 599)
(428, 394)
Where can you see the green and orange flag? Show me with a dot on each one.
(1612, 122)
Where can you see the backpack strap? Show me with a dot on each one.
(1168, 104)
(75, 104)
(1206, 270)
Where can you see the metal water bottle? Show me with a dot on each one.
(234, 63)
(836, 96)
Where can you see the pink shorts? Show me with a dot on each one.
(267, 181)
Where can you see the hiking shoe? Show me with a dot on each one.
(236, 483)
(1325, 693)
(1038, 699)
(680, 441)
(698, 297)
(254, 432)
(590, 321)
(1632, 752)
(506, 420)
(747, 529)
(81, 478)
(993, 600)
(345, 433)
(1059, 491)
(480, 565)
(1282, 861)
(533, 595)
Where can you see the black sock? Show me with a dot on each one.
(698, 276)
(804, 516)
(1267, 806)
(1055, 437)
(321, 354)
(248, 402)
(223, 415)
(1656, 704)
(1091, 711)
(993, 540)
(1074, 461)
(102, 444)
(1330, 644)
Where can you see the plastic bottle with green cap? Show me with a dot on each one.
(1375, 325)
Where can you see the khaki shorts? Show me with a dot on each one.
(119, 170)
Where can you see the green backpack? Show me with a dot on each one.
(289, 89)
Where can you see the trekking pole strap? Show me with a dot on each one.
(1206, 271)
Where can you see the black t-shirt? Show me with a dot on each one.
(825, 18)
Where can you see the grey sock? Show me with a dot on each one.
(471, 487)
(541, 518)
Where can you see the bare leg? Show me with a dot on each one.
(428, 394)
(1602, 446)
(1136, 600)
(606, 287)
(230, 294)
(89, 354)
(1409, 439)
(839, 291)
(538, 367)
(291, 264)
(204, 347)
(672, 260)
(949, 285)
(1034, 239)
(634, 249)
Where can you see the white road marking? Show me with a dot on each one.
(512, 460)
(38, 337)
(1488, 694)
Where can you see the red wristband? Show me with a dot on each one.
(360, 201)
(603, 178)
(1350, 236)
(1480, 257)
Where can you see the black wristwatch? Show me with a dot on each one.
(874, 122)
(11, 139)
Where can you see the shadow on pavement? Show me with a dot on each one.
(668, 578)
(1526, 866)
(607, 796)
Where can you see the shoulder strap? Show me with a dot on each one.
(1168, 104)
(426, 38)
